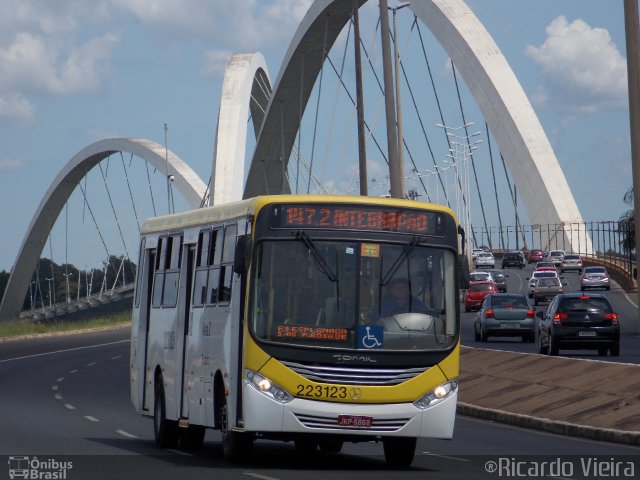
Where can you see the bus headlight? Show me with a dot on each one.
(267, 387)
(437, 395)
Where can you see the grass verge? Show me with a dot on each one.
(25, 327)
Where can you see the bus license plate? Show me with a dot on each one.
(587, 334)
(356, 421)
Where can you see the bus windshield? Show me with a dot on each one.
(356, 295)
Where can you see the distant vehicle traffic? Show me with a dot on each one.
(539, 274)
(474, 295)
(499, 278)
(513, 259)
(571, 262)
(535, 255)
(480, 276)
(577, 321)
(505, 315)
(556, 257)
(545, 289)
(594, 277)
(485, 259)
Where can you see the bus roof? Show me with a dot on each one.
(242, 208)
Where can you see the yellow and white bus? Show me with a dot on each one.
(312, 319)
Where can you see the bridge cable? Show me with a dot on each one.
(153, 202)
(513, 195)
(300, 102)
(133, 203)
(113, 209)
(335, 106)
(437, 98)
(473, 164)
(315, 126)
(495, 188)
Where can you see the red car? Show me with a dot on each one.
(536, 256)
(476, 292)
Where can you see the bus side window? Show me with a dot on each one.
(142, 267)
(158, 276)
(226, 271)
(213, 262)
(200, 280)
(172, 273)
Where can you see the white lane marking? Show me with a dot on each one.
(116, 357)
(54, 387)
(448, 457)
(257, 475)
(69, 406)
(91, 364)
(91, 419)
(73, 371)
(63, 351)
(126, 434)
(60, 379)
(57, 396)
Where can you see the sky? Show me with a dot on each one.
(73, 72)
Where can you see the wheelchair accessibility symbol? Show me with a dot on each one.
(370, 336)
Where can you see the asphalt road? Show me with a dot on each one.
(66, 399)
(622, 303)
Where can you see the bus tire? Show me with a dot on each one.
(165, 431)
(236, 446)
(192, 437)
(399, 451)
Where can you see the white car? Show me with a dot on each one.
(475, 252)
(485, 259)
(480, 277)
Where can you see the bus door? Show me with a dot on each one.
(146, 276)
(187, 315)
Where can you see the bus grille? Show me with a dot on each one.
(327, 422)
(345, 375)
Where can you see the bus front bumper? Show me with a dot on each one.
(263, 414)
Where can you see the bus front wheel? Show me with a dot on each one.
(236, 446)
(165, 431)
(399, 451)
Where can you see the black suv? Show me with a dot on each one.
(577, 321)
(512, 259)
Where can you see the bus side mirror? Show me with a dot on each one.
(242, 255)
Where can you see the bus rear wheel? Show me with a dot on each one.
(399, 451)
(165, 431)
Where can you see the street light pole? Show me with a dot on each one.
(633, 78)
(395, 172)
(67, 275)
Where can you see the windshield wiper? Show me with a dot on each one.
(317, 256)
(405, 254)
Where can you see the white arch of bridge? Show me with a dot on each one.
(186, 181)
(527, 151)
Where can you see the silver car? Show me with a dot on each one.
(556, 256)
(594, 277)
(571, 262)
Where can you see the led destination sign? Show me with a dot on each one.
(357, 217)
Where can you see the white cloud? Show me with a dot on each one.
(214, 63)
(44, 65)
(240, 25)
(16, 111)
(584, 71)
(11, 164)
